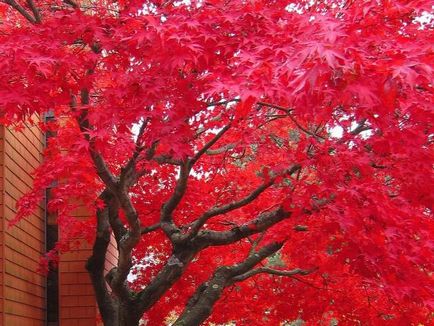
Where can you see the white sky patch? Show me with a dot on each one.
(183, 2)
(365, 134)
(135, 129)
(293, 7)
(336, 132)
(146, 262)
(426, 19)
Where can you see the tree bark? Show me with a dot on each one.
(129, 314)
(95, 264)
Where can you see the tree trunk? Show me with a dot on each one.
(125, 314)
(128, 315)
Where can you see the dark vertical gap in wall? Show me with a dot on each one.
(52, 278)
(51, 237)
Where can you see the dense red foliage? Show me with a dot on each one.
(328, 103)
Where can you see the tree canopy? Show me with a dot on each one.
(256, 161)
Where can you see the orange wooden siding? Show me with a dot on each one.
(1, 225)
(23, 288)
(111, 257)
(77, 302)
(77, 305)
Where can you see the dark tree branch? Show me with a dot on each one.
(267, 270)
(116, 277)
(305, 130)
(72, 3)
(224, 102)
(255, 243)
(276, 107)
(126, 243)
(103, 170)
(149, 229)
(116, 224)
(125, 246)
(300, 228)
(255, 258)
(227, 208)
(263, 222)
(220, 150)
(200, 305)
(35, 11)
(168, 275)
(183, 253)
(95, 263)
(196, 226)
(378, 166)
(165, 159)
(208, 145)
(141, 131)
(361, 126)
(166, 220)
(126, 240)
(21, 10)
(260, 103)
(129, 175)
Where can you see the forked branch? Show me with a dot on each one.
(166, 219)
(21, 10)
(219, 210)
(287, 111)
(227, 208)
(200, 305)
(126, 238)
(34, 10)
(209, 144)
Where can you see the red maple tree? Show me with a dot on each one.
(258, 162)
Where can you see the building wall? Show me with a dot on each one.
(22, 288)
(77, 303)
(22, 246)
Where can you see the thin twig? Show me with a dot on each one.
(208, 145)
(267, 270)
(71, 3)
(149, 229)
